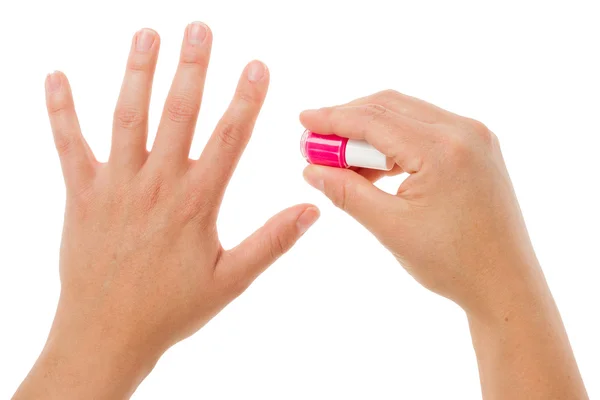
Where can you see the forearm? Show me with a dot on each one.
(522, 348)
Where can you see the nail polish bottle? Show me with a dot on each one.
(339, 152)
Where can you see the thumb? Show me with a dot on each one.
(256, 253)
(356, 195)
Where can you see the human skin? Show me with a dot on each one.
(456, 227)
(141, 265)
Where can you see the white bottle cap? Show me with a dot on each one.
(361, 154)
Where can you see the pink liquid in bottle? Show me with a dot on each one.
(329, 150)
(340, 152)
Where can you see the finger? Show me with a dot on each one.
(373, 175)
(405, 105)
(395, 135)
(78, 162)
(354, 194)
(255, 254)
(227, 143)
(130, 125)
(176, 128)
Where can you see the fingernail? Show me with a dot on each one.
(307, 219)
(196, 33)
(53, 82)
(145, 40)
(256, 71)
(313, 178)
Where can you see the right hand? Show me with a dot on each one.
(455, 223)
(141, 263)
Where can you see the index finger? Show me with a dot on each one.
(406, 105)
(395, 135)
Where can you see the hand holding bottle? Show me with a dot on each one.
(456, 227)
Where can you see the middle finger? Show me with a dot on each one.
(176, 128)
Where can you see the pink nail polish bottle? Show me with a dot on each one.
(339, 152)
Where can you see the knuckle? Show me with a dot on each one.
(82, 201)
(330, 112)
(246, 97)
(231, 282)
(194, 58)
(195, 207)
(129, 117)
(372, 117)
(65, 144)
(480, 130)
(458, 147)
(340, 195)
(138, 64)
(277, 247)
(181, 109)
(477, 126)
(374, 110)
(230, 136)
(387, 94)
(58, 106)
(186, 208)
(236, 285)
(151, 193)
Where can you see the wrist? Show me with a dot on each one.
(510, 291)
(88, 363)
(522, 335)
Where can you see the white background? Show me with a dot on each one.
(336, 318)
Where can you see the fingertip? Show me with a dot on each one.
(257, 71)
(196, 46)
(307, 115)
(157, 39)
(316, 120)
(54, 81)
(198, 33)
(58, 93)
(307, 219)
(316, 174)
(313, 175)
(144, 40)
